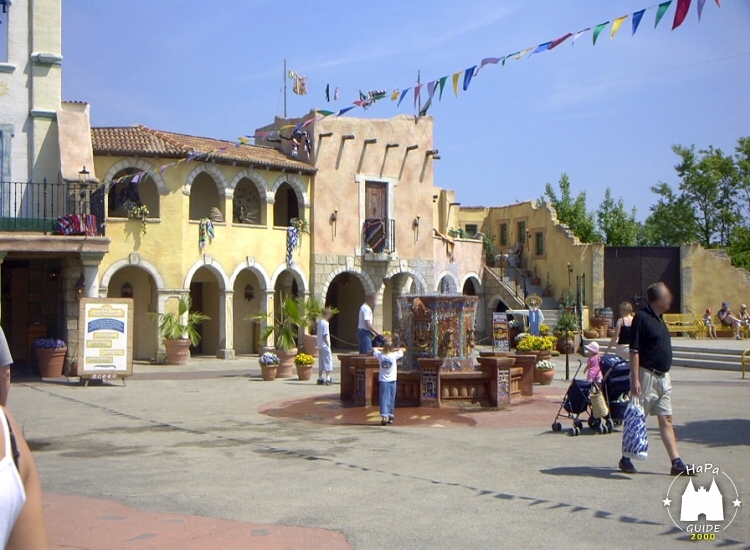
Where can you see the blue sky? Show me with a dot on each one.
(607, 115)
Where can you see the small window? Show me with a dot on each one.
(4, 31)
(503, 234)
(539, 243)
(472, 229)
(521, 226)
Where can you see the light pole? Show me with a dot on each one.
(83, 183)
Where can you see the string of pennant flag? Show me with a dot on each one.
(459, 81)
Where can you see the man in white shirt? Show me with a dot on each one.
(365, 328)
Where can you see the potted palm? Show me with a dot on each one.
(288, 318)
(179, 330)
(304, 363)
(269, 366)
(565, 329)
(50, 356)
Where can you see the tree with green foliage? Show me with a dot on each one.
(672, 219)
(571, 211)
(618, 226)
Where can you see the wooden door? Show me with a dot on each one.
(376, 201)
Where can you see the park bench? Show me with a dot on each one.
(727, 331)
(686, 323)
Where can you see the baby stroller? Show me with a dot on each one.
(615, 388)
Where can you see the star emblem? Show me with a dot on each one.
(737, 503)
(667, 502)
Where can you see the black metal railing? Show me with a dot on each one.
(35, 207)
(379, 236)
(515, 279)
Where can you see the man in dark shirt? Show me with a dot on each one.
(650, 361)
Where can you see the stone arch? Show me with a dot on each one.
(212, 265)
(296, 184)
(257, 178)
(119, 264)
(366, 280)
(257, 269)
(451, 276)
(139, 164)
(299, 275)
(477, 281)
(418, 277)
(217, 175)
(494, 301)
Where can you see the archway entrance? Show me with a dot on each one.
(205, 292)
(470, 287)
(346, 293)
(399, 285)
(137, 283)
(285, 206)
(447, 285)
(248, 299)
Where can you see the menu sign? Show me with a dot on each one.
(105, 338)
(500, 331)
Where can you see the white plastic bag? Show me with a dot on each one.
(634, 435)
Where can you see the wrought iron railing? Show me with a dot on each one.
(379, 236)
(35, 207)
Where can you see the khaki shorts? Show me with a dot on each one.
(656, 393)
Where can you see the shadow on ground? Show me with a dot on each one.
(726, 432)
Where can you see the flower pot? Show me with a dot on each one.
(178, 351)
(304, 372)
(600, 325)
(590, 334)
(536, 281)
(286, 362)
(310, 344)
(547, 293)
(544, 377)
(565, 344)
(51, 361)
(268, 372)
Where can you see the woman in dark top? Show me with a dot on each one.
(621, 337)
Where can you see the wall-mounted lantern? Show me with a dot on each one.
(126, 291)
(249, 292)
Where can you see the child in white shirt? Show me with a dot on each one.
(325, 355)
(709, 324)
(388, 357)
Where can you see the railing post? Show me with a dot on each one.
(44, 215)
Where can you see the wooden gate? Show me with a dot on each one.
(628, 272)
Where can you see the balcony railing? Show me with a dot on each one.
(379, 237)
(37, 207)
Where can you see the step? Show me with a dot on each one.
(718, 357)
(707, 364)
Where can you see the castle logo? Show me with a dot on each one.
(704, 513)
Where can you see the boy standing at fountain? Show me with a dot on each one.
(325, 355)
(388, 357)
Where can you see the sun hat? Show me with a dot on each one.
(593, 347)
(708, 311)
(743, 306)
(725, 304)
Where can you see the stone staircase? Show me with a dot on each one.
(510, 286)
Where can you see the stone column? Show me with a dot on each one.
(266, 306)
(91, 261)
(226, 325)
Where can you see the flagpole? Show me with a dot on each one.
(419, 96)
(284, 88)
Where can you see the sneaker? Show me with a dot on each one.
(320, 382)
(678, 467)
(626, 465)
(384, 421)
(328, 382)
(391, 419)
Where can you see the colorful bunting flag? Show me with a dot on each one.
(468, 74)
(456, 76)
(431, 87)
(442, 85)
(344, 110)
(637, 16)
(489, 61)
(702, 3)
(324, 113)
(509, 56)
(541, 48)
(403, 95)
(579, 34)
(522, 53)
(683, 7)
(395, 94)
(598, 30)
(661, 10)
(555, 43)
(616, 24)
(417, 93)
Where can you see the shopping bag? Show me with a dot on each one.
(634, 436)
(599, 406)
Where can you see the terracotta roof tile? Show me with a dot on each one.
(140, 140)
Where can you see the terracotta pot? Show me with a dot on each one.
(304, 372)
(564, 344)
(547, 293)
(536, 281)
(544, 377)
(178, 351)
(268, 372)
(286, 362)
(600, 325)
(590, 334)
(51, 361)
(310, 344)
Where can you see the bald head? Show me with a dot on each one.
(659, 297)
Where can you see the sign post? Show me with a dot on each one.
(105, 339)
(500, 341)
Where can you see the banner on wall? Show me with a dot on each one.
(105, 339)
(500, 341)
